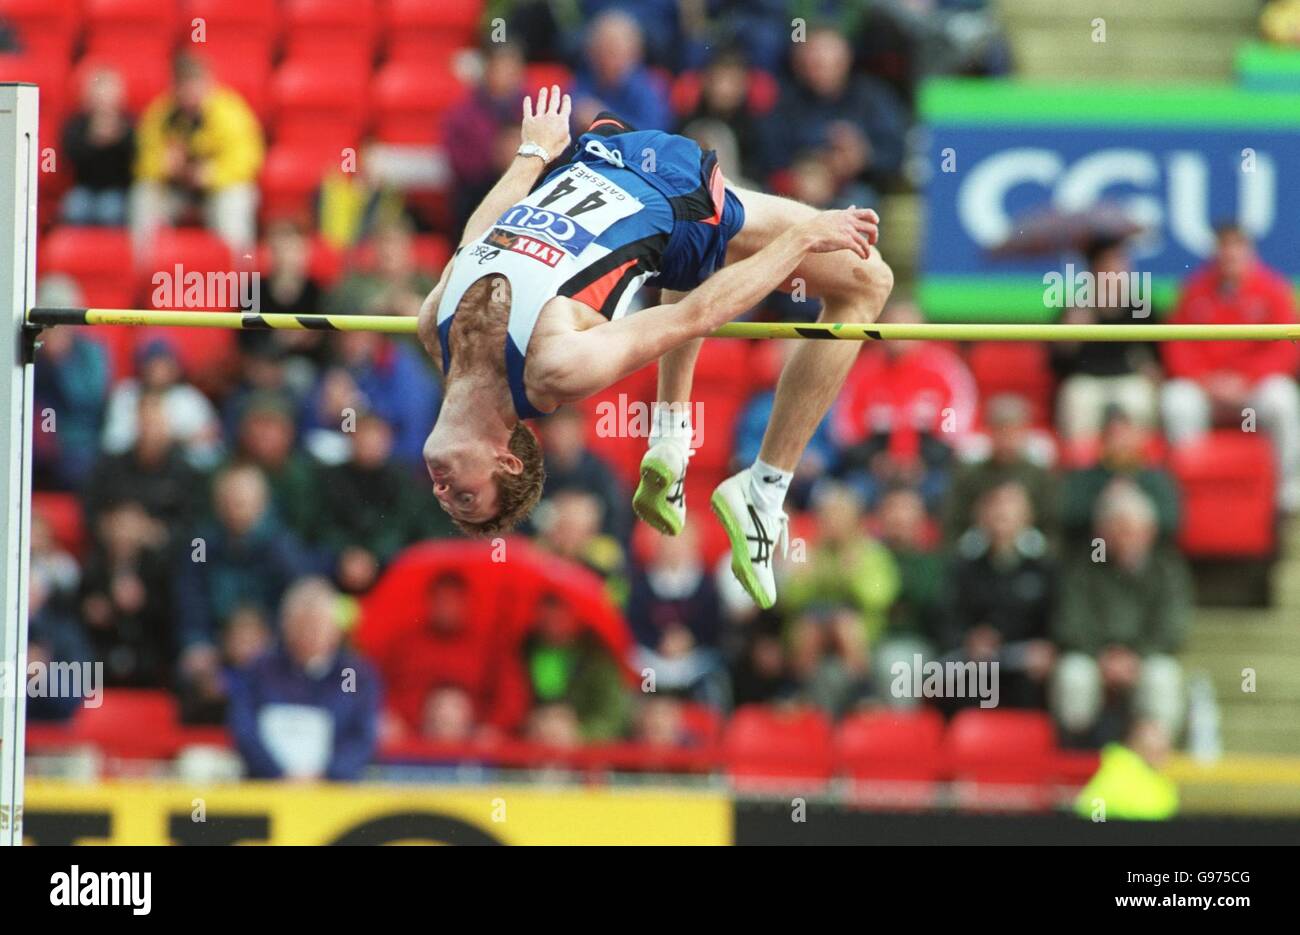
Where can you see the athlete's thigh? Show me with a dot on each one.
(840, 274)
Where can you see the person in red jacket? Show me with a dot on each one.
(1236, 382)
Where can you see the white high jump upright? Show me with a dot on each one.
(19, 161)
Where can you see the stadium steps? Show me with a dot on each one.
(1160, 41)
(1226, 640)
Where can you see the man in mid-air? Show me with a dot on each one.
(530, 315)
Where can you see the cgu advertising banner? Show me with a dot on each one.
(1179, 161)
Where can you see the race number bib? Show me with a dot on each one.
(572, 209)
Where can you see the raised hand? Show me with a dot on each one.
(853, 229)
(549, 126)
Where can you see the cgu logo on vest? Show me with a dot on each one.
(76, 888)
(1172, 192)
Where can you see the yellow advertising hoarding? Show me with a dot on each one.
(125, 812)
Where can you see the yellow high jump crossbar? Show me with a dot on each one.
(385, 324)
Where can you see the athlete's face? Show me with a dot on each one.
(463, 480)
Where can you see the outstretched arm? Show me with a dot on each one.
(600, 356)
(549, 129)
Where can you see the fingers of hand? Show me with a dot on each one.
(528, 107)
(555, 99)
(541, 100)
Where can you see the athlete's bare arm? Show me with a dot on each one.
(549, 129)
(576, 365)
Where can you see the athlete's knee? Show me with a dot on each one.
(863, 293)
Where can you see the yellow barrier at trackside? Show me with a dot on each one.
(125, 812)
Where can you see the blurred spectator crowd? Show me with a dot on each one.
(217, 512)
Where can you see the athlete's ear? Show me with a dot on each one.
(509, 462)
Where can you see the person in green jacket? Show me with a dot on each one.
(1128, 784)
(1125, 611)
(836, 600)
(579, 694)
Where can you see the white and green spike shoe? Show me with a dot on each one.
(754, 537)
(660, 497)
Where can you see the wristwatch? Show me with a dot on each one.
(532, 149)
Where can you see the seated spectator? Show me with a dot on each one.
(1119, 624)
(675, 617)
(265, 439)
(151, 472)
(192, 419)
(288, 286)
(837, 601)
(244, 557)
(126, 598)
(1123, 456)
(1218, 381)
(51, 565)
(826, 94)
(394, 286)
(660, 722)
(455, 648)
(376, 373)
(1129, 784)
(577, 687)
(70, 391)
(569, 526)
(99, 142)
(55, 640)
(615, 79)
(903, 407)
(374, 508)
(470, 128)
(843, 566)
(199, 146)
(1008, 459)
(916, 618)
(1004, 587)
(725, 97)
(308, 709)
(571, 465)
(760, 667)
(1096, 376)
(448, 716)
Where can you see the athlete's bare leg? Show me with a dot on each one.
(677, 367)
(852, 290)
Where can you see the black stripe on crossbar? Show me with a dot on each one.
(253, 321)
(816, 334)
(56, 316)
(315, 323)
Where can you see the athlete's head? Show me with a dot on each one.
(486, 488)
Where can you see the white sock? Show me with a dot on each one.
(671, 422)
(768, 486)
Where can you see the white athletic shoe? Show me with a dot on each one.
(660, 497)
(754, 537)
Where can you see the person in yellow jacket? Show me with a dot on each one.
(1128, 785)
(198, 145)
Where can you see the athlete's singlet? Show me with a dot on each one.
(629, 206)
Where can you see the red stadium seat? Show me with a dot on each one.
(1229, 487)
(98, 258)
(544, 74)
(891, 745)
(62, 513)
(419, 31)
(133, 724)
(409, 99)
(774, 748)
(1019, 368)
(1000, 758)
(292, 173)
(48, 27)
(130, 27)
(334, 32)
(319, 101)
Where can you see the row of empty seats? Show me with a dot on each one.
(1012, 754)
